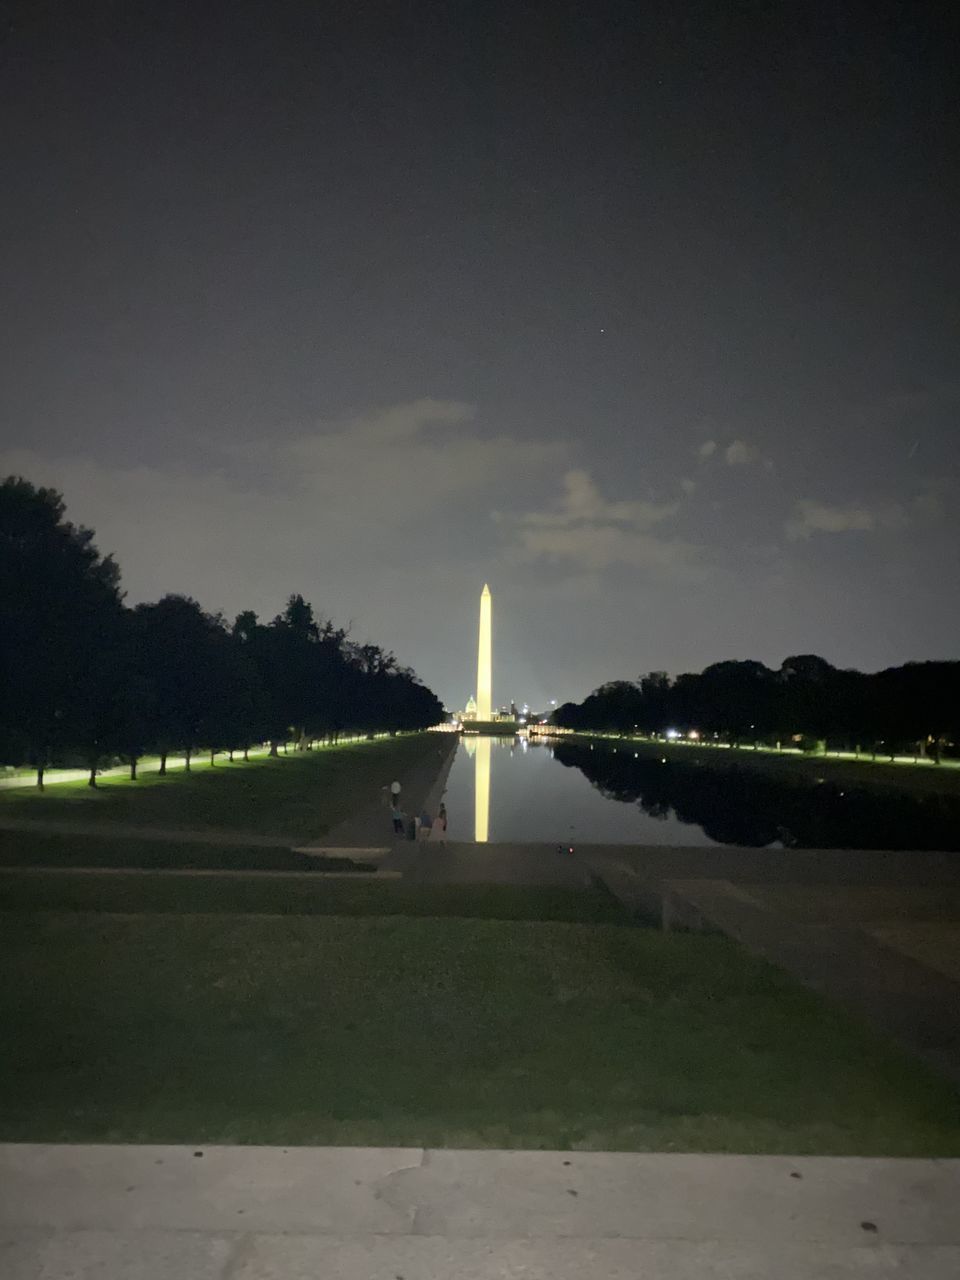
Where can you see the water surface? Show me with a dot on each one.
(526, 795)
(509, 789)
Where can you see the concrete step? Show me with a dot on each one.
(155, 1212)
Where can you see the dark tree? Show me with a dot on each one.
(181, 648)
(82, 676)
(59, 604)
(914, 708)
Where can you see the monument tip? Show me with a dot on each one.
(485, 591)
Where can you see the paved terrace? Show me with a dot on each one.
(266, 1213)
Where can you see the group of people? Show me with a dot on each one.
(427, 827)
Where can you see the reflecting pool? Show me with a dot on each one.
(512, 789)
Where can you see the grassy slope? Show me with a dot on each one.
(40, 849)
(296, 795)
(440, 1031)
(320, 895)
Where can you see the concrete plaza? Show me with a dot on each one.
(266, 1213)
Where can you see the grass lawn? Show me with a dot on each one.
(298, 795)
(42, 849)
(441, 1029)
(321, 895)
(923, 779)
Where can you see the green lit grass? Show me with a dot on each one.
(396, 1030)
(57, 776)
(298, 795)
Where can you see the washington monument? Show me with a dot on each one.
(485, 658)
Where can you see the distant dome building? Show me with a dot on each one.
(470, 710)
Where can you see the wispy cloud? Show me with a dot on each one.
(923, 509)
(333, 511)
(592, 533)
(810, 517)
(394, 464)
(737, 453)
(582, 502)
(740, 454)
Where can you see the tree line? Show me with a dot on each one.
(85, 678)
(911, 709)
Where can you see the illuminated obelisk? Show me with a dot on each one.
(485, 659)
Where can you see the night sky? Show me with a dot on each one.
(648, 314)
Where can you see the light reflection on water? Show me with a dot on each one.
(479, 747)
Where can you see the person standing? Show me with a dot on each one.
(438, 832)
(396, 813)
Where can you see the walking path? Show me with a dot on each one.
(266, 1213)
(422, 787)
(371, 829)
(533, 866)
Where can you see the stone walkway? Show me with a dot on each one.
(266, 1213)
(532, 866)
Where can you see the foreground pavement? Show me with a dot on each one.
(260, 1213)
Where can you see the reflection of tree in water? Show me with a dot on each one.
(748, 807)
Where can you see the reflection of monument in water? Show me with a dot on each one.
(481, 789)
(478, 748)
